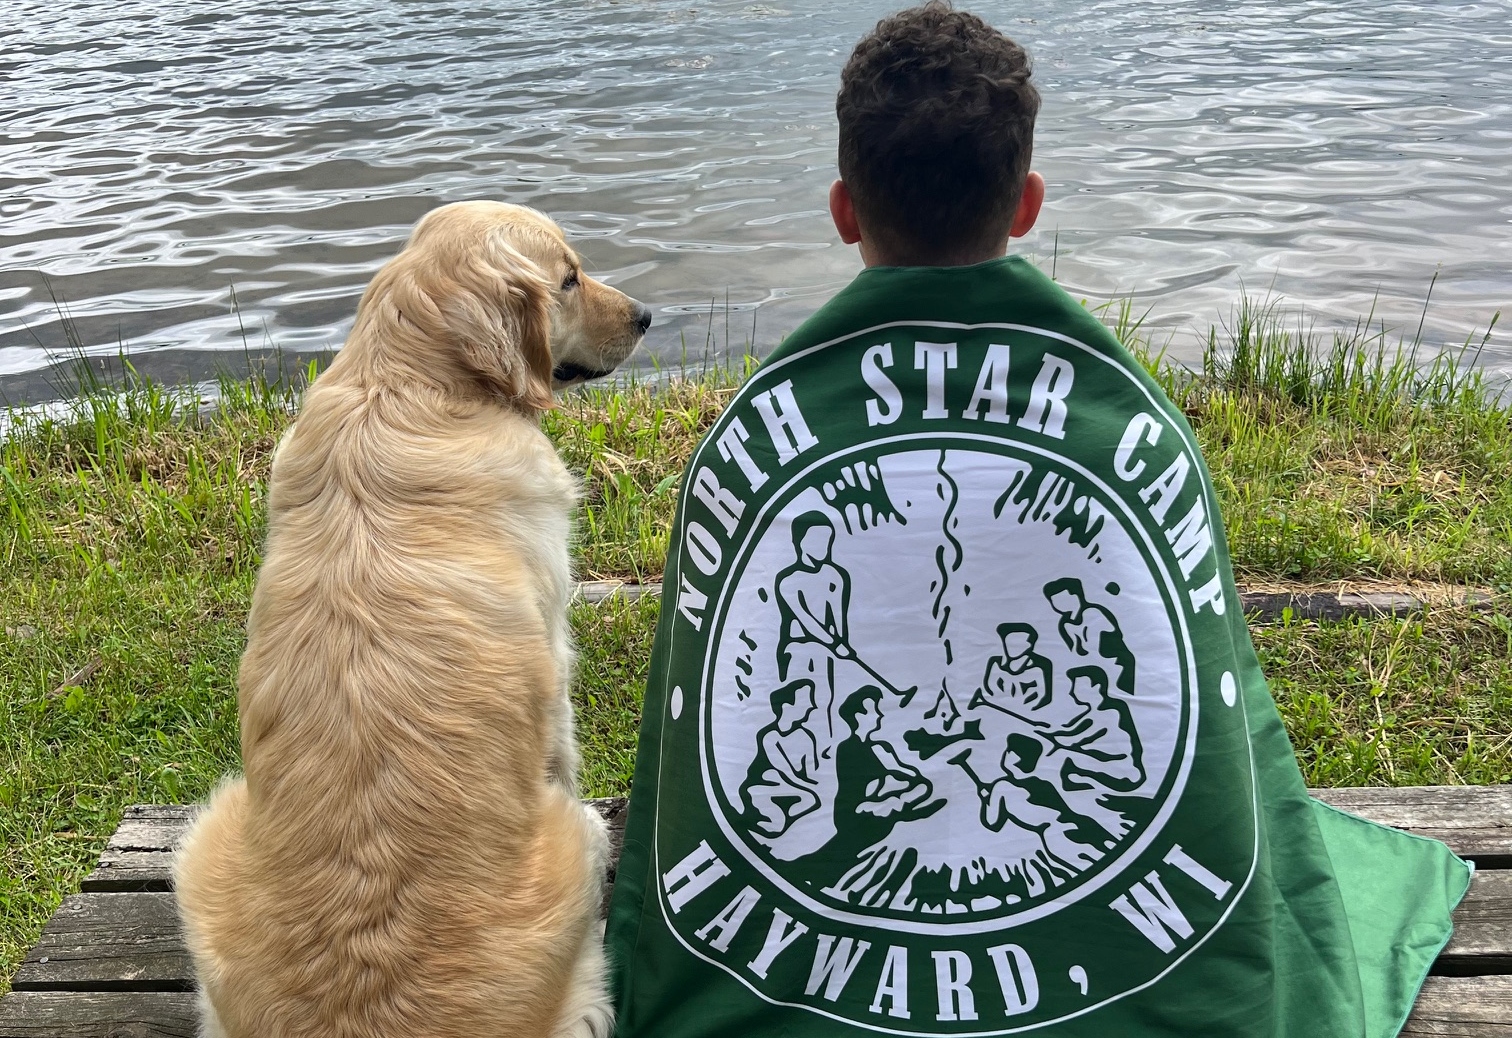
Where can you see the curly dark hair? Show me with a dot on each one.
(936, 119)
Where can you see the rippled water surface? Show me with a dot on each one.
(157, 155)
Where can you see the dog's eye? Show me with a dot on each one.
(571, 281)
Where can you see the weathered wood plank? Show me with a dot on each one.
(110, 942)
(1331, 605)
(1462, 1007)
(1449, 1007)
(82, 1014)
(1475, 821)
(122, 932)
(132, 941)
(1482, 942)
(129, 940)
(133, 870)
(614, 810)
(595, 591)
(139, 857)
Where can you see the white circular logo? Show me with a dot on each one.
(901, 730)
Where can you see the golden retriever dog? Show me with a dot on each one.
(406, 854)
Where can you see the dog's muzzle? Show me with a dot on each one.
(573, 372)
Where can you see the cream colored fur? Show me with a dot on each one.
(406, 854)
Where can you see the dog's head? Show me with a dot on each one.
(500, 284)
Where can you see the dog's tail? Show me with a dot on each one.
(203, 868)
(587, 1012)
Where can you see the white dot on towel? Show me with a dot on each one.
(1229, 688)
(677, 698)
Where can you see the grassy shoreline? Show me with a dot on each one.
(130, 531)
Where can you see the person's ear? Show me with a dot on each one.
(843, 212)
(1029, 206)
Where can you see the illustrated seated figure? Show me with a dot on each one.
(1089, 629)
(1019, 681)
(1020, 760)
(1100, 742)
(1037, 807)
(876, 789)
(783, 781)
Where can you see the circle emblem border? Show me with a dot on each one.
(1186, 747)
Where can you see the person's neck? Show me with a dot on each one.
(880, 256)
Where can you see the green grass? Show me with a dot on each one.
(614, 655)
(1336, 456)
(1340, 457)
(130, 531)
(1425, 700)
(631, 443)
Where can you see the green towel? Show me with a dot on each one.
(954, 726)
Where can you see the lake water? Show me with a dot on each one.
(157, 156)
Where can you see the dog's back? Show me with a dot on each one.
(404, 664)
(406, 854)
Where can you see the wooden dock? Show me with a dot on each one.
(112, 964)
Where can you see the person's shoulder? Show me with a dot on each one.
(1005, 292)
(1034, 300)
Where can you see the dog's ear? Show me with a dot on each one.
(501, 320)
